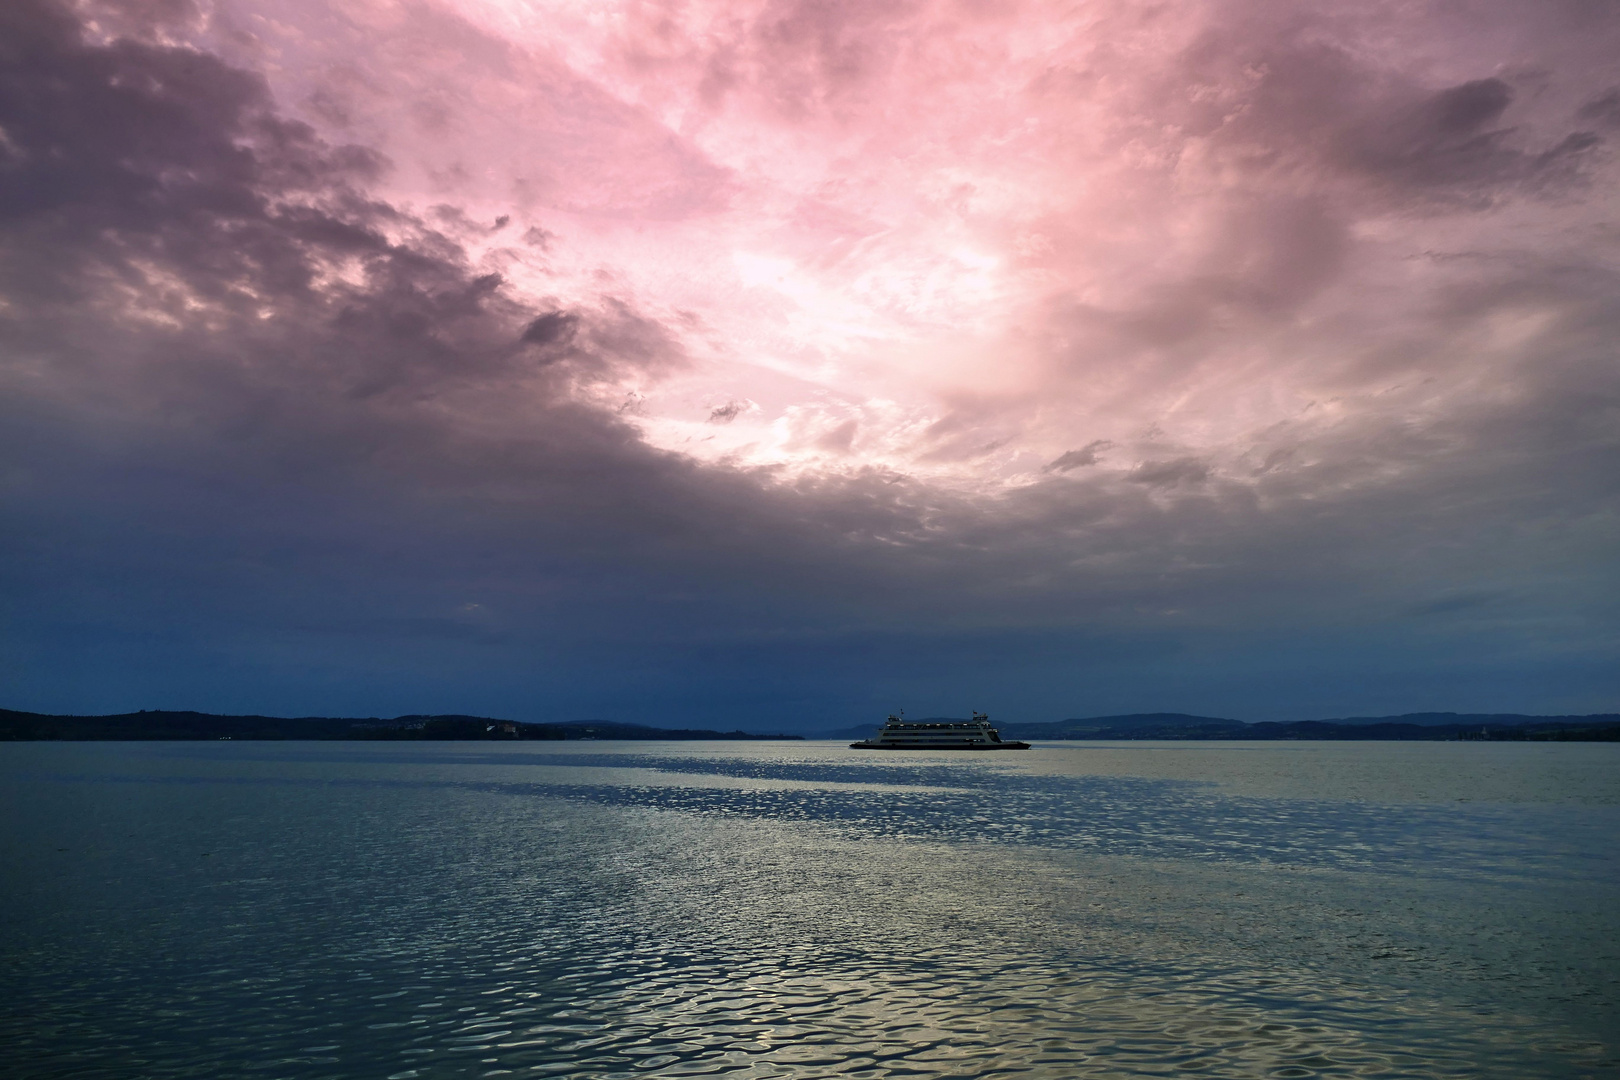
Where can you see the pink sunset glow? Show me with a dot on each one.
(963, 240)
(1098, 317)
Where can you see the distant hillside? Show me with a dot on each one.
(167, 725)
(1451, 719)
(1129, 726)
(1491, 727)
(1494, 727)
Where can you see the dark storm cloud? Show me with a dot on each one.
(1074, 459)
(1187, 470)
(132, 149)
(154, 196)
(1603, 110)
(728, 412)
(1304, 108)
(552, 328)
(216, 340)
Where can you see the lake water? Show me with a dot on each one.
(803, 910)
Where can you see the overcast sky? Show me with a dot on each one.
(779, 364)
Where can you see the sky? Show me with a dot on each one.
(781, 363)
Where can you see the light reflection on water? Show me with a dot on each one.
(308, 910)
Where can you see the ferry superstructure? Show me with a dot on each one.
(901, 734)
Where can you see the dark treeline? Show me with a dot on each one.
(167, 725)
(1605, 729)
(1412, 727)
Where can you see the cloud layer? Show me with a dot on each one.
(799, 360)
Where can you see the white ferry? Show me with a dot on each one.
(901, 734)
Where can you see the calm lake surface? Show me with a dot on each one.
(803, 910)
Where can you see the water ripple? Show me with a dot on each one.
(424, 920)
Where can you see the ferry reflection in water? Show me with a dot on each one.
(782, 910)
